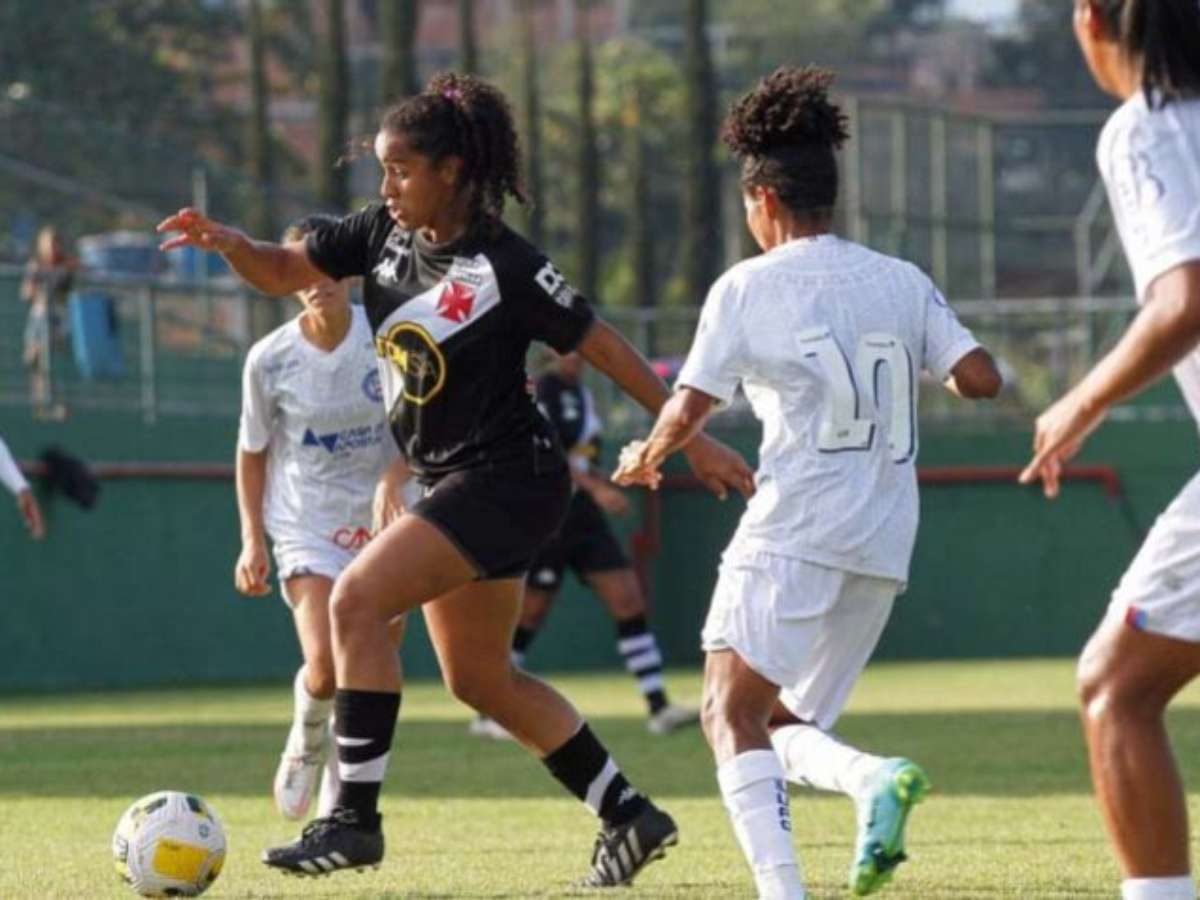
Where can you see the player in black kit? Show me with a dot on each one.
(455, 298)
(586, 544)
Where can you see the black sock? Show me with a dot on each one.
(585, 769)
(365, 722)
(639, 649)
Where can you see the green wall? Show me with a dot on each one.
(139, 590)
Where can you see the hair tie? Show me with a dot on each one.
(454, 95)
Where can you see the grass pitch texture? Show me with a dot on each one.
(1011, 814)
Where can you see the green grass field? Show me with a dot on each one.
(1011, 816)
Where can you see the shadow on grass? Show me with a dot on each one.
(1002, 754)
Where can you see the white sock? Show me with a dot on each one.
(310, 718)
(756, 799)
(1178, 887)
(816, 758)
(327, 798)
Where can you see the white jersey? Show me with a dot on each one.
(321, 418)
(1150, 162)
(826, 338)
(10, 474)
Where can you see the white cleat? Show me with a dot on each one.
(671, 718)
(296, 782)
(482, 726)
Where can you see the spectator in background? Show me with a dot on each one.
(48, 278)
(11, 478)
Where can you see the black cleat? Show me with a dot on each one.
(326, 845)
(622, 851)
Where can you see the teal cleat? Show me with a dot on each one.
(901, 785)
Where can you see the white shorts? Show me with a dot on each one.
(308, 554)
(809, 629)
(1160, 591)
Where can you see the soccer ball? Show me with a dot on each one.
(169, 844)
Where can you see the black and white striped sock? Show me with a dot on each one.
(639, 649)
(584, 768)
(365, 722)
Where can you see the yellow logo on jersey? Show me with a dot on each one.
(416, 356)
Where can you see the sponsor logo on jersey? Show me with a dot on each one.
(351, 538)
(416, 356)
(371, 386)
(456, 302)
(550, 280)
(395, 251)
(347, 440)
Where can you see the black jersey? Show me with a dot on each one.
(572, 411)
(453, 323)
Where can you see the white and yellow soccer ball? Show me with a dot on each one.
(169, 844)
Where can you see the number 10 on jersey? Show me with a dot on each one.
(842, 427)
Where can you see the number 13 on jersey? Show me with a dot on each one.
(842, 425)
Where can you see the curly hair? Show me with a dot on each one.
(465, 116)
(786, 132)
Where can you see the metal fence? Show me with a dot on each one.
(183, 344)
(180, 347)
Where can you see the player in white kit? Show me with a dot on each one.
(827, 339)
(1147, 54)
(27, 505)
(314, 455)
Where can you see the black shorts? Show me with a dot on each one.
(498, 515)
(585, 543)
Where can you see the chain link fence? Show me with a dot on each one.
(182, 344)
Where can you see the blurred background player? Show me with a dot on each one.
(314, 452)
(456, 298)
(586, 544)
(27, 505)
(49, 274)
(826, 339)
(1145, 53)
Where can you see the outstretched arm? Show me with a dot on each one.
(719, 467)
(1165, 330)
(681, 419)
(273, 269)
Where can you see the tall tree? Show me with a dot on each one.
(468, 49)
(333, 108)
(261, 213)
(588, 234)
(641, 229)
(702, 206)
(535, 221)
(398, 22)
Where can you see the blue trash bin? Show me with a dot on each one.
(95, 335)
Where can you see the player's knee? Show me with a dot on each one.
(476, 688)
(349, 606)
(319, 679)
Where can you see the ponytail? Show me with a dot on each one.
(1163, 38)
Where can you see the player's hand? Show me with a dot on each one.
(1058, 434)
(611, 500)
(197, 230)
(388, 503)
(250, 572)
(718, 467)
(633, 468)
(32, 514)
